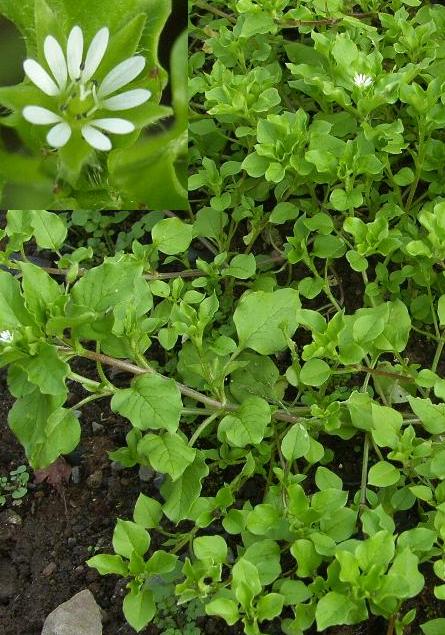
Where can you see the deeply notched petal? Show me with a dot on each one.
(96, 139)
(74, 52)
(121, 75)
(95, 53)
(40, 116)
(59, 136)
(114, 125)
(127, 100)
(38, 75)
(56, 61)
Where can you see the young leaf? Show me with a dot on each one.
(315, 372)
(152, 402)
(167, 453)
(263, 319)
(129, 537)
(383, 474)
(139, 608)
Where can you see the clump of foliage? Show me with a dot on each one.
(92, 71)
(14, 486)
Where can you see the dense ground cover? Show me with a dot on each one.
(317, 140)
(275, 357)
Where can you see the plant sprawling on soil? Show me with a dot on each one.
(277, 353)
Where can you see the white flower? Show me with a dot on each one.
(362, 81)
(78, 96)
(6, 337)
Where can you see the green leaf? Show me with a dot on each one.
(49, 230)
(307, 558)
(152, 402)
(242, 266)
(103, 287)
(265, 555)
(283, 212)
(46, 370)
(263, 319)
(269, 606)
(295, 443)
(147, 512)
(225, 608)
(161, 562)
(335, 609)
(172, 236)
(257, 23)
(431, 415)
(167, 453)
(139, 608)
(248, 424)
(43, 428)
(245, 582)
(13, 312)
(315, 372)
(434, 627)
(383, 474)
(180, 495)
(326, 479)
(261, 519)
(343, 201)
(212, 548)
(367, 328)
(105, 564)
(40, 291)
(128, 537)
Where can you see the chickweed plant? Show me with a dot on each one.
(91, 131)
(289, 382)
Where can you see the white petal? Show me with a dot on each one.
(96, 139)
(40, 78)
(56, 60)
(125, 101)
(75, 52)
(95, 53)
(59, 135)
(40, 116)
(121, 75)
(114, 125)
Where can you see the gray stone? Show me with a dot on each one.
(80, 615)
(146, 473)
(97, 427)
(75, 475)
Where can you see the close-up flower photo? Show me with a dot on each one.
(96, 117)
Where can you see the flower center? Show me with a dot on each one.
(80, 101)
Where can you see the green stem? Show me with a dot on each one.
(202, 426)
(364, 478)
(81, 403)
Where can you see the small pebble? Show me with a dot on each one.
(97, 427)
(95, 479)
(158, 480)
(49, 570)
(146, 473)
(75, 474)
(116, 467)
(79, 570)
